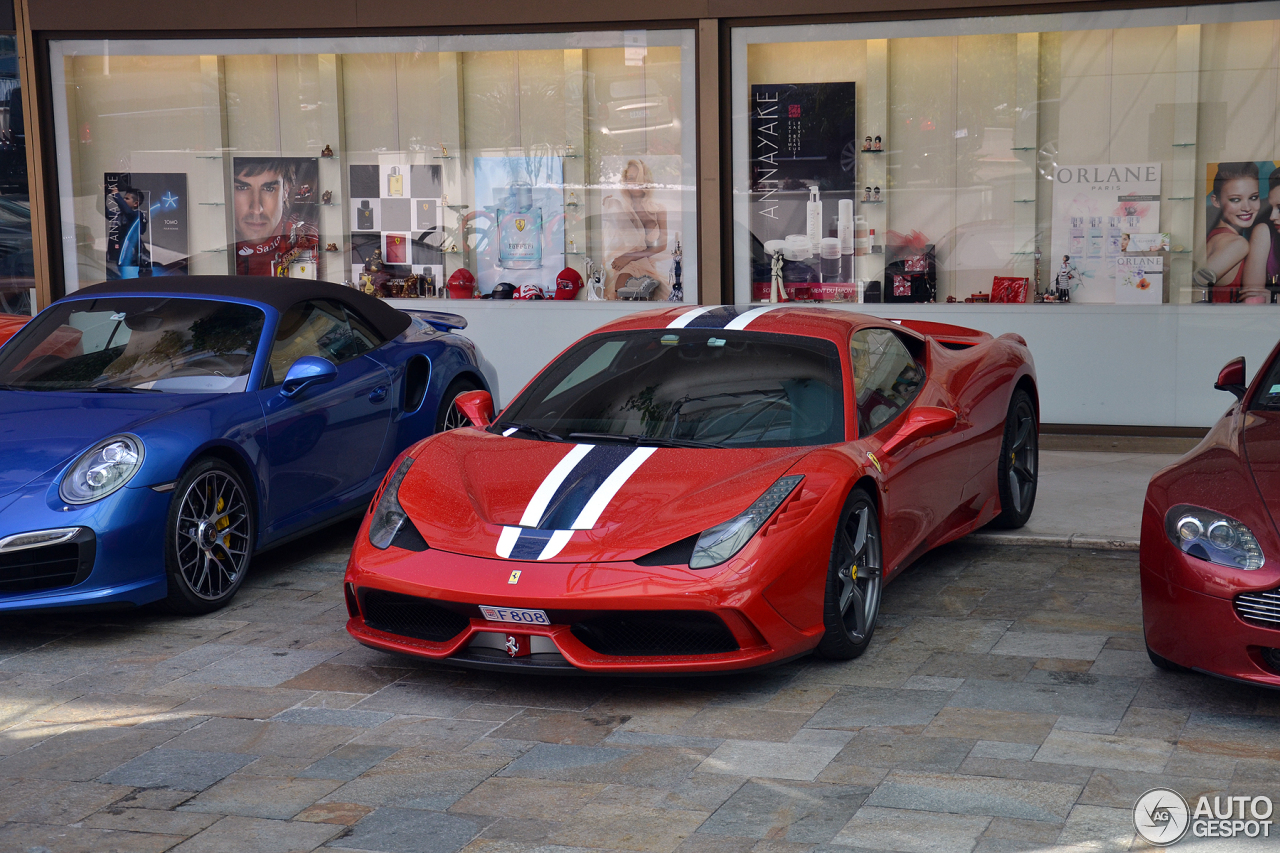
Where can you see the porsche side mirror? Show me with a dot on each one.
(477, 406)
(305, 372)
(922, 422)
(1231, 378)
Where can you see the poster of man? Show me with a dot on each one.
(146, 217)
(1242, 218)
(275, 204)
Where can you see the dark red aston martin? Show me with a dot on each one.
(1210, 554)
(697, 489)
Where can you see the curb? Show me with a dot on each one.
(1049, 540)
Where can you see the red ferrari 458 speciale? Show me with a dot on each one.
(1210, 553)
(697, 489)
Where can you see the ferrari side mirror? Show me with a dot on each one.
(922, 422)
(477, 406)
(305, 372)
(1231, 378)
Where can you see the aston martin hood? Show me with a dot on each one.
(485, 495)
(41, 430)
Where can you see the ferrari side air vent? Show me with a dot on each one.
(1260, 608)
(675, 554)
(954, 344)
(645, 633)
(793, 512)
(409, 616)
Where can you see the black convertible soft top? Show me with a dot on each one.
(280, 293)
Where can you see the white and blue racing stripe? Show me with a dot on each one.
(720, 317)
(572, 497)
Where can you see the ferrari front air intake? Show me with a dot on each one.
(660, 633)
(408, 616)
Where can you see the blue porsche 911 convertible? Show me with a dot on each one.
(153, 438)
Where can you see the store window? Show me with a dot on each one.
(17, 270)
(1126, 157)
(525, 166)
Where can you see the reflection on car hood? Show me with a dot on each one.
(1261, 440)
(41, 430)
(467, 485)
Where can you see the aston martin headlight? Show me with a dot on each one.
(105, 468)
(719, 543)
(389, 517)
(1212, 536)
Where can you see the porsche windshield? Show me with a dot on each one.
(135, 344)
(686, 387)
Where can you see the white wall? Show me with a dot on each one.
(1096, 364)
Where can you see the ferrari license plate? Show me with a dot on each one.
(519, 617)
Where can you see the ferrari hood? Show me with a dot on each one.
(485, 495)
(41, 430)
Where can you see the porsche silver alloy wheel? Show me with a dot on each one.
(1023, 458)
(213, 533)
(859, 573)
(453, 417)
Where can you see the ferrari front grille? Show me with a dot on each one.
(645, 633)
(48, 567)
(409, 616)
(1260, 608)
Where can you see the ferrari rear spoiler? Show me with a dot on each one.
(440, 320)
(945, 333)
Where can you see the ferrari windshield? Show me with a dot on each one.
(135, 344)
(686, 387)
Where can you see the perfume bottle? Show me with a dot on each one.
(364, 216)
(520, 230)
(395, 182)
(1093, 248)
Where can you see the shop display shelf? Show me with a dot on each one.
(1184, 145)
(212, 203)
(1181, 198)
(1024, 201)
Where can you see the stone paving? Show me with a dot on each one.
(1006, 704)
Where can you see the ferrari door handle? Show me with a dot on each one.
(377, 395)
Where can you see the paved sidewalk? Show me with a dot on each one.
(1086, 500)
(1006, 704)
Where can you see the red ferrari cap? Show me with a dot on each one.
(462, 285)
(568, 283)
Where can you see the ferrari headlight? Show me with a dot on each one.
(719, 543)
(388, 516)
(1212, 536)
(105, 468)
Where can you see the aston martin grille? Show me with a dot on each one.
(1260, 608)
(650, 633)
(409, 616)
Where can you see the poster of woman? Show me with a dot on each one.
(636, 232)
(1242, 252)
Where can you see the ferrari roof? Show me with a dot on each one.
(808, 320)
(278, 293)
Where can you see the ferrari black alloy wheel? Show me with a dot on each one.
(209, 537)
(854, 580)
(449, 416)
(1019, 463)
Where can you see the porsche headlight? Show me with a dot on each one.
(719, 543)
(1212, 536)
(105, 468)
(389, 517)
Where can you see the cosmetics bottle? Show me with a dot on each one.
(830, 259)
(844, 228)
(813, 220)
(861, 236)
(364, 216)
(395, 182)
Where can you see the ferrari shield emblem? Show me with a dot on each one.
(519, 224)
(515, 577)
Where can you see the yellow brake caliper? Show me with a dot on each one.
(223, 523)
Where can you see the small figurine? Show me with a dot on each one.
(571, 247)
(304, 192)
(444, 151)
(875, 194)
(866, 194)
(878, 146)
(568, 149)
(332, 247)
(444, 199)
(573, 200)
(866, 144)
(326, 197)
(327, 152)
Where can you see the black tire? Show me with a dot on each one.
(855, 579)
(1019, 466)
(1164, 663)
(448, 415)
(209, 537)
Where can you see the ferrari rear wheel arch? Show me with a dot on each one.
(855, 579)
(210, 536)
(1018, 469)
(448, 415)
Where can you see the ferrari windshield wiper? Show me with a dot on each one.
(505, 426)
(643, 440)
